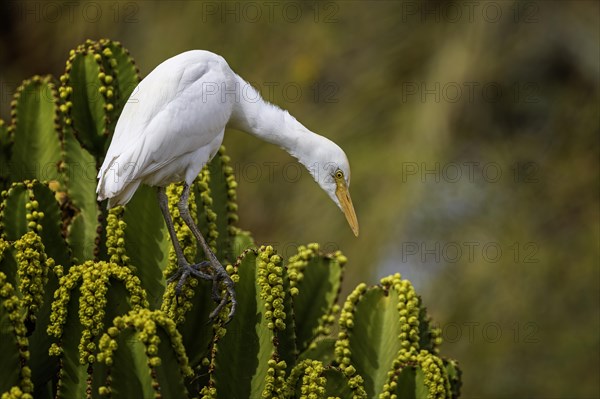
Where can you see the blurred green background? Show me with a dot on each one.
(473, 133)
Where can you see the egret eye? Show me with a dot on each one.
(339, 174)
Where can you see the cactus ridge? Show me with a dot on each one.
(324, 273)
(104, 75)
(35, 132)
(13, 310)
(205, 204)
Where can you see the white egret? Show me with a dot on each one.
(173, 124)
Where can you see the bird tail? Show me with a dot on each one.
(117, 189)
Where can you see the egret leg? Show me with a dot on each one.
(219, 271)
(184, 269)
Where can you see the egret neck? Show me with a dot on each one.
(325, 160)
(268, 122)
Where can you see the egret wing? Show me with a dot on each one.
(177, 109)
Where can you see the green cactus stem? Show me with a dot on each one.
(31, 219)
(35, 130)
(408, 307)
(99, 78)
(77, 325)
(82, 215)
(385, 321)
(342, 345)
(250, 345)
(315, 283)
(163, 349)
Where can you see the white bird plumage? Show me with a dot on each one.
(174, 122)
(168, 129)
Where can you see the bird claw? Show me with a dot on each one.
(221, 275)
(184, 271)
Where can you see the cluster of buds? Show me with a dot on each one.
(408, 309)
(232, 207)
(275, 379)
(32, 270)
(313, 381)
(342, 345)
(115, 236)
(16, 393)
(435, 376)
(270, 281)
(11, 306)
(298, 262)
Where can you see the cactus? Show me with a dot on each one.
(99, 78)
(35, 131)
(154, 330)
(85, 303)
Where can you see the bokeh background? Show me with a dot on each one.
(473, 133)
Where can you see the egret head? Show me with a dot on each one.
(332, 171)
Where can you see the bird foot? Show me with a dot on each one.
(220, 275)
(185, 270)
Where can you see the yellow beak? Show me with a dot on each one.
(344, 196)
